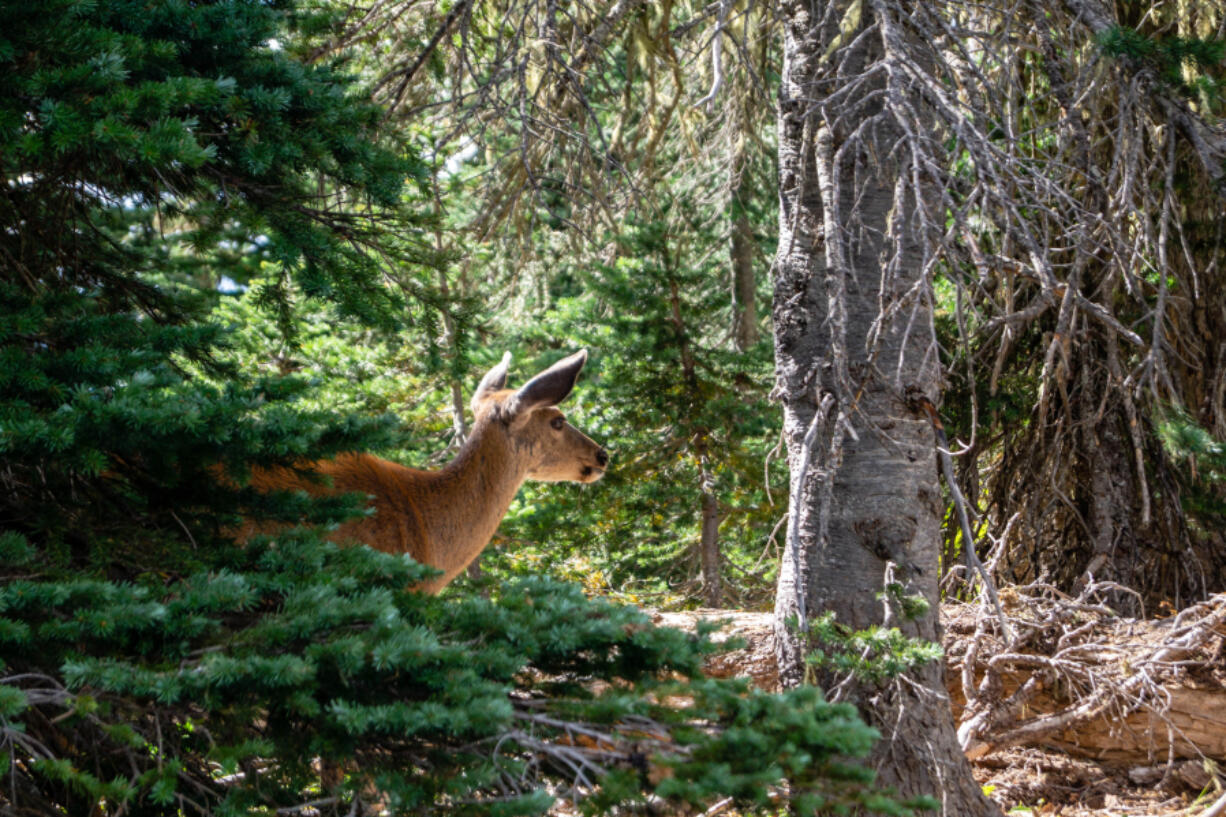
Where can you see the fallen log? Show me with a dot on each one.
(1080, 679)
(1076, 677)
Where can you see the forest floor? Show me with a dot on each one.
(1044, 781)
(1140, 706)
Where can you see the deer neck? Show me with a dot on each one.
(473, 494)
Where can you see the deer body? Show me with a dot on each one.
(445, 518)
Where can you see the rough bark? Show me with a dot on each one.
(741, 250)
(853, 335)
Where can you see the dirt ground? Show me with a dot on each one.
(1035, 781)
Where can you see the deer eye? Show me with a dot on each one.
(557, 423)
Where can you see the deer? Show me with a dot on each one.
(446, 518)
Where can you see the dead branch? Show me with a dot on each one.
(1086, 664)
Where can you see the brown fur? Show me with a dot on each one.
(445, 518)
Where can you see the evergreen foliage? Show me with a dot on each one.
(1195, 66)
(213, 694)
(877, 654)
(130, 134)
(188, 110)
(1202, 458)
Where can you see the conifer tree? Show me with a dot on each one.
(683, 515)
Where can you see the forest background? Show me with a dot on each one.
(244, 233)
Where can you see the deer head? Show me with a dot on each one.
(548, 447)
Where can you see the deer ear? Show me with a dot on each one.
(551, 386)
(495, 380)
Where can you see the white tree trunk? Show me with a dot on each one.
(854, 340)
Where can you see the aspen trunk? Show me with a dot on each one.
(864, 495)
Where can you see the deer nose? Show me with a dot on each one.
(602, 458)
